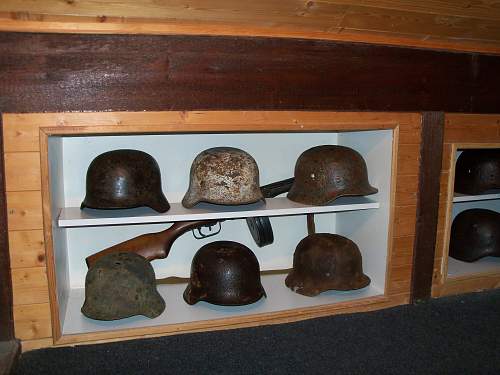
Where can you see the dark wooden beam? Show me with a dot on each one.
(6, 313)
(56, 72)
(431, 151)
(9, 346)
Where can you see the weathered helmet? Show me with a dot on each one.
(475, 234)
(124, 179)
(477, 170)
(324, 173)
(120, 285)
(223, 175)
(325, 261)
(224, 273)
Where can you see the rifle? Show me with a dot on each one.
(152, 245)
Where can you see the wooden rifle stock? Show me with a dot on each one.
(151, 245)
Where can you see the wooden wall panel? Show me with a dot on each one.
(24, 210)
(22, 171)
(27, 248)
(51, 73)
(30, 285)
(32, 321)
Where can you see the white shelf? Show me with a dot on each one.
(457, 268)
(279, 298)
(75, 217)
(458, 198)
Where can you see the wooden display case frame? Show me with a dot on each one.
(462, 131)
(28, 200)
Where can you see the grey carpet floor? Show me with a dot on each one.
(452, 335)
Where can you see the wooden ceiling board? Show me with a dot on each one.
(457, 25)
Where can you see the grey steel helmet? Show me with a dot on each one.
(224, 273)
(326, 261)
(124, 179)
(324, 173)
(120, 285)
(223, 175)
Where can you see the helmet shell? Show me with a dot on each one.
(477, 170)
(324, 173)
(475, 234)
(120, 285)
(223, 175)
(325, 261)
(124, 179)
(224, 273)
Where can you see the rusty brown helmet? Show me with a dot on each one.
(325, 261)
(324, 173)
(124, 179)
(120, 285)
(475, 234)
(224, 273)
(477, 170)
(223, 175)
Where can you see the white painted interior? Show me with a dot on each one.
(281, 206)
(279, 298)
(276, 155)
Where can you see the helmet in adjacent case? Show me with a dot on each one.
(475, 234)
(124, 179)
(224, 273)
(223, 175)
(325, 261)
(324, 173)
(120, 285)
(477, 170)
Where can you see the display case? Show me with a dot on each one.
(452, 276)
(382, 225)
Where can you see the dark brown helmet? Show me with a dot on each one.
(124, 179)
(477, 170)
(223, 175)
(224, 273)
(119, 285)
(324, 173)
(325, 261)
(475, 234)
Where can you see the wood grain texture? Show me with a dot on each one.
(52, 73)
(22, 171)
(32, 321)
(428, 204)
(30, 285)
(430, 24)
(24, 210)
(6, 315)
(27, 248)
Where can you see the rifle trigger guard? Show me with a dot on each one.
(202, 235)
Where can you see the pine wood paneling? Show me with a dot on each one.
(408, 159)
(431, 24)
(405, 221)
(22, 171)
(32, 321)
(24, 210)
(406, 190)
(29, 285)
(27, 248)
